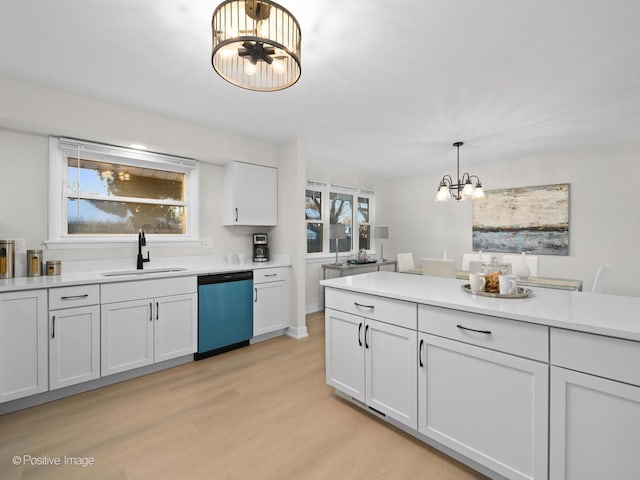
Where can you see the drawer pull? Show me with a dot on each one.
(359, 332)
(486, 332)
(271, 275)
(364, 306)
(420, 352)
(74, 297)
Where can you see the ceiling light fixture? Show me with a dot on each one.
(256, 45)
(463, 188)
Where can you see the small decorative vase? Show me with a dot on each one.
(523, 271)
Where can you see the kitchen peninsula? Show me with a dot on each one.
(539, 387)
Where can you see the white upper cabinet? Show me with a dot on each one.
(250, 195)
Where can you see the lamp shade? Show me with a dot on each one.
(381, 231)
(256, 44)
(337, 231)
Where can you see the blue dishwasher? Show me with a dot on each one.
(225, 312)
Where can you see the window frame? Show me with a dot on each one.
(325, 190)
(61, 148)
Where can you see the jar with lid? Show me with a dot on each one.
(494, 266)
(34, 263)
(7, 258)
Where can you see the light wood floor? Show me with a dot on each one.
(261, 412)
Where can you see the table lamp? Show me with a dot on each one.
(381, 232)
(337, 232)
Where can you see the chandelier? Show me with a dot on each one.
(256, 45)
(463, 188)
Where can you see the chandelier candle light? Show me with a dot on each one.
(256, 45)
(463, 188)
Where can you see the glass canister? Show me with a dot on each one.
(7, 258)
(494, 266)
(34, 263)
(54, 267)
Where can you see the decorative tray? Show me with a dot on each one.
(521, 292)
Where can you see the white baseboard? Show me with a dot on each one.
(297, 332)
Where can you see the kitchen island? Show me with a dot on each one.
(533, 388)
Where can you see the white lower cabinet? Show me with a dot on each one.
(595, 427)
(74, 335)
(490, 406)
(479, 396)
(595, 407)
(374, 363)
(270, 300)
(23, 344)
(74, 346)
(139, 332)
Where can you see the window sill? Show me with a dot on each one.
(84, 242)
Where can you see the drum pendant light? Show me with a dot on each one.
(256, 45)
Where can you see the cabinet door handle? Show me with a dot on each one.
(157, 310)
(74, 297)
(364, 306)
(420, 352)
(359, 332)
(236, 214)
(53, 327)
(486, 332)
(255, 300)
(150, 312)
(366, 344)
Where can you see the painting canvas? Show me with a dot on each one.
(526, 219)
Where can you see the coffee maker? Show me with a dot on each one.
(260, 248)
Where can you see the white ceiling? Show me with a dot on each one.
(386, 87)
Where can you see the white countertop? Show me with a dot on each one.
(610, 315)
(83, 273)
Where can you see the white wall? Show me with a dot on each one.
(604, 224)
(316, 171)
(31, 113)
(289, 238)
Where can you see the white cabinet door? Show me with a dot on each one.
(269, 307)
(250, 194)
(595, 427)
(175, 330)
(23, 344)
(390, 371)
(345, 353)
(127, 335)
(74, 346)
(492, 407)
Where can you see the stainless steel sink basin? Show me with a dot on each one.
(146, 271)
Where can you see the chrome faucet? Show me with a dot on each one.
(142, 242)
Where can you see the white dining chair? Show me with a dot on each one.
(532, 261)
(405, 262)
(601, 279)
(439, 267)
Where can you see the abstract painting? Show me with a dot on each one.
(526, 219)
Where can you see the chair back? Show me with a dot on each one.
(467, 258)
(532, 261)
(405, 262)
(439, 267)
(601, 279)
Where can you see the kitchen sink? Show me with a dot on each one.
(117, 273)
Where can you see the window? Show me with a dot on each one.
(104, 193)
(327, 205)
